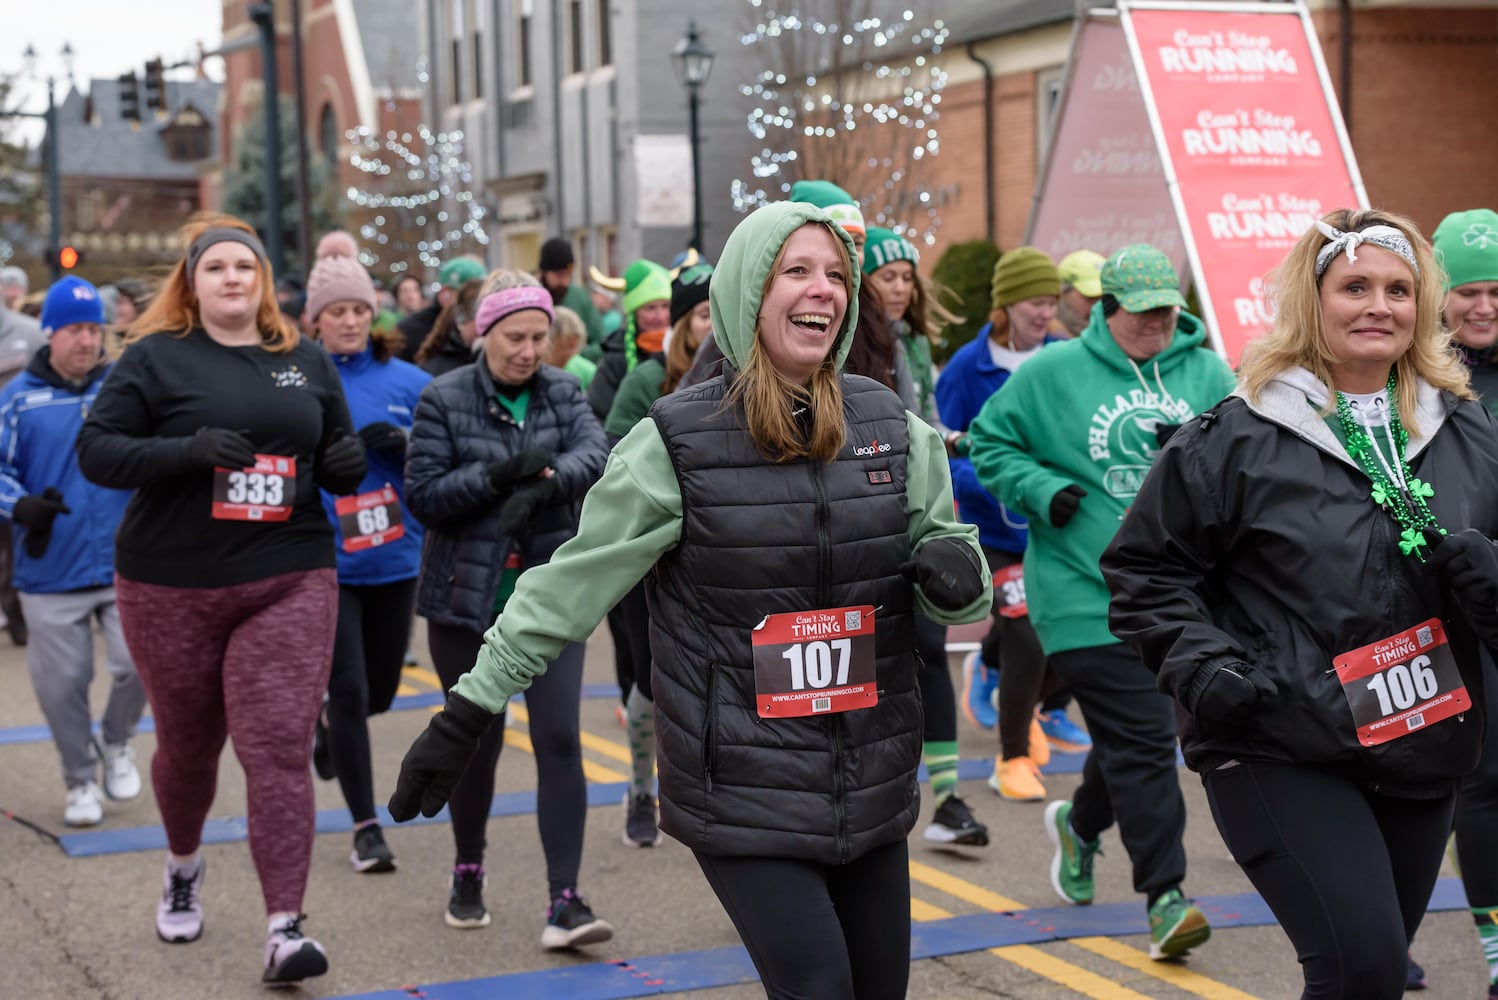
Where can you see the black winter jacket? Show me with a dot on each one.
(1254, 539)
(613, 365)
(452, 354)
(459, 430)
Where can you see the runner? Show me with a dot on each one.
(1309, 570)
(378, 542)
(226, 423)
(734, 506)
(501, 453)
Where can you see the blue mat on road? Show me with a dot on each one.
(696, 970)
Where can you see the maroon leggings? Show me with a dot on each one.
(249, 661)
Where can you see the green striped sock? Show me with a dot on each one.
(941, 763)
(1487, 933)
(640, 727)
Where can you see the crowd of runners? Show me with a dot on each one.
(753, 469)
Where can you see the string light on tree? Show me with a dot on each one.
(419, 189)
(839, 86)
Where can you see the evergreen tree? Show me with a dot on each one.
(23, 190)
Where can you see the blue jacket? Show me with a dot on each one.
(40, 415)
(380, 391)
(966, 382)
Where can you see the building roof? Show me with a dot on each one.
(95, 141)
(388, 30)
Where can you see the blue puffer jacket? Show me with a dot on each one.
(966, 382)
(40, 415)
(380, 391)
(460, 429)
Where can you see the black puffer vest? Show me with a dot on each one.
(760, 538)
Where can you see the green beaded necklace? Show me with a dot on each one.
(1395, 488)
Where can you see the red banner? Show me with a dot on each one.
(1248, 132)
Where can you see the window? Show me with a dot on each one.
(1048, 86)
(456, 72)
(605, 34)
(575, 61)
(478, 64)
(327, 133)
(523, 76)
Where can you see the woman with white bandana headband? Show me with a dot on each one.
(1309, 569)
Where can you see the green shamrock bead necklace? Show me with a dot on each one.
(1395, 488)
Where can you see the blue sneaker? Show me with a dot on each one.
(980, 685)
(1064, 735)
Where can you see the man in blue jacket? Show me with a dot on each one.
(64, 529)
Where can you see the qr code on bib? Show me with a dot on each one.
(852, 621)
(1423, 636)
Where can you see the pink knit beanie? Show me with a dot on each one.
(336, 279)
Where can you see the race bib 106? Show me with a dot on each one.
(1401, 684)
(369, 519)
(264, 491)
(815, 662)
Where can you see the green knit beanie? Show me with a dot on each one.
(1024, 273)
(645, 281)
(823, 194)
(885, 246)
(1466, 244)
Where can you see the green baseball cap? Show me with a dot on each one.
(459, 270)
(1141, 278)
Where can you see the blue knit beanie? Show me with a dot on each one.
(71, 300)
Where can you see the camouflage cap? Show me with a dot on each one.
(1141, 278)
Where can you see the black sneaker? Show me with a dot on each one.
(465, 904)
(1414, 976)
(953, 823)
(370, 852)
(322, 756)
(571, 924)
(639, 821)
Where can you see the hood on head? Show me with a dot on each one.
(739, 277)
(1190, 334)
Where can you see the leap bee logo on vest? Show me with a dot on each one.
(1125, 432)
(871, 449)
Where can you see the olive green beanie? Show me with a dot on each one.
(1024, 273)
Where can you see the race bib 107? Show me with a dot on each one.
(815, 662)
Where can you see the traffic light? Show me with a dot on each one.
(129, 97)
(155, 85)
(66, 258)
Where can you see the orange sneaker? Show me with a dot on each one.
(1040, 747)
(1018, 779)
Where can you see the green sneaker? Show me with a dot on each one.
(1176, 926)
(1071, 868)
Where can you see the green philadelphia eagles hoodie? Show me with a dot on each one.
(1083, 413)
(633, 514)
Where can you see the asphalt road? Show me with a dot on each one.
(82, 927)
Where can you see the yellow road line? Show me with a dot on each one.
(405, 689)
(1073, 977)
(425, 676)
(593, 772)
(610, 749)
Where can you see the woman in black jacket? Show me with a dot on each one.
(501, 454)
(451, 343)
(1309, 570)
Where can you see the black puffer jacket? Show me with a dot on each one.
(459, 430)
(1254, 539)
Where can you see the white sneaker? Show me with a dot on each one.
(85, 805)
(290, 957)
(179, 915)
(121, 777)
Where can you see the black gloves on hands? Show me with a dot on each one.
(1064, 505)
(515, 513)
(383, 436)
(216, 447)
(436, 760)
(948, 572)
(1224, 692)
(36, 514)
(1467, 562)
(517, 468)
(343, 465)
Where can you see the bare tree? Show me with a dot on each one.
(850, 96)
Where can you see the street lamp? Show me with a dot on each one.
(694, 63)
(54, 167)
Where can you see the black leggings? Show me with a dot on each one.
(629, 627)
(1024, 680)
(935, 681)
(561, 792)
(821, 932)
(369, 649)
(1477, 810)
(1347, 872)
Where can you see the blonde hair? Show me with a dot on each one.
(679, 354)
(174, 310)
(770, 399)
(502, 278)
(567, 324)
(1295, 340)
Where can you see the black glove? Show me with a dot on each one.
(436, 760)
(517, 468)
(515, 513)
(948, 572)
(36, 514)
(383, 436)
(1224, 692)
(1064, 505)
(215, 446)
(1467, 562)
(343, 464)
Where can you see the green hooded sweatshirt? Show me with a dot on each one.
(633, 514)
(1082, 413)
